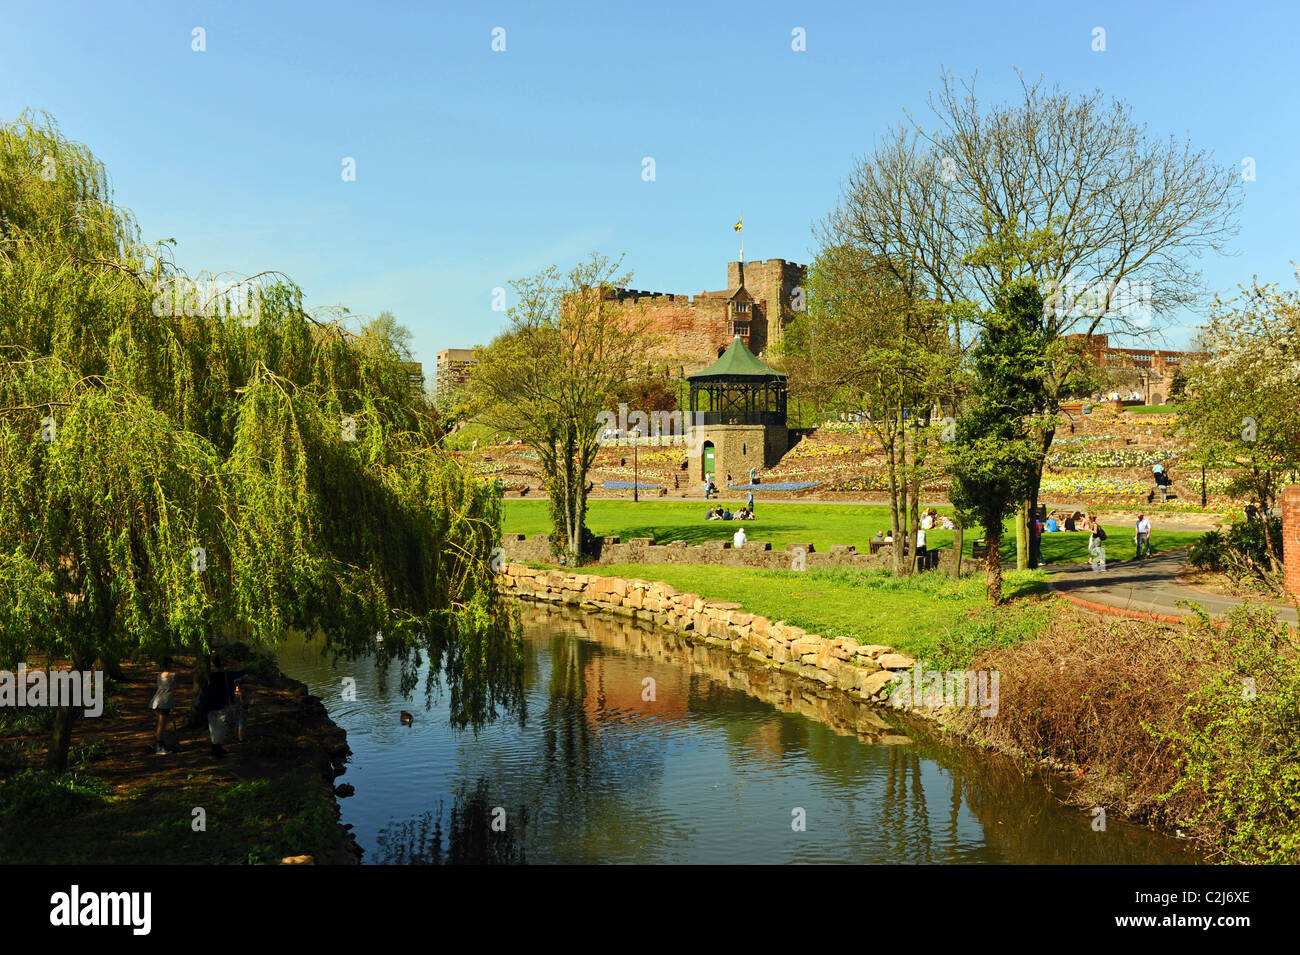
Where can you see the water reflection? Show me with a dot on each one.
(715, 768)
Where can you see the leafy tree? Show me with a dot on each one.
(567, 355)
(996, 452)
(867, 343)
(1068, 190)
(172, 475)
(1241, 403)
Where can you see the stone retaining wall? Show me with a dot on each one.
(861, 670)
(760, 554)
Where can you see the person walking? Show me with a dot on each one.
(161, 703)
(708, 486)
(1142, 537)
(1096, 552)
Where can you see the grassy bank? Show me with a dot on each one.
(930, 616)
(118, 803)
(783, 522)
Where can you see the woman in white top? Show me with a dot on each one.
(162, 703)
(1096, 552)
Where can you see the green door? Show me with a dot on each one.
(708, 459)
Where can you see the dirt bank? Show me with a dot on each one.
(271, 797)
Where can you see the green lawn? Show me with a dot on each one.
(930, 616)
(784, 522)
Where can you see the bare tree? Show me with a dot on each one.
(1067, 190)
(569, 351)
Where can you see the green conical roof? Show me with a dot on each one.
(738, 360)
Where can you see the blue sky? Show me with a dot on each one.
(476, 167)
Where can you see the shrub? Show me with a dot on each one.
(1209, 551)
(1242, 754)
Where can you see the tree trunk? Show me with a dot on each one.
(1035, 555)
(993, 566)
(56, 758)
(891, 458)
(1022, 537)
(956, 550)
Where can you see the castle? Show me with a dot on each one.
(758, 302)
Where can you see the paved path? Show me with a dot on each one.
(1147, 586)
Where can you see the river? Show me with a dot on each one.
(730, 762)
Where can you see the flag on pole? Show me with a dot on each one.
(739, 225)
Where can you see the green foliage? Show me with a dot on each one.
(996, 456)
(1243, 754)
(166, 473)
(1209, 552)
(1242, 552)
(552, 377)
(39, 795)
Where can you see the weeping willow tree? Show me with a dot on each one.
(170, 475)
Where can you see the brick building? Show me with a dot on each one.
(1154, 368)
(760, 298)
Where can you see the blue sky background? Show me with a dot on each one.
(475, 167)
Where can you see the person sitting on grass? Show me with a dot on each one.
(727, 515)
(714, 514)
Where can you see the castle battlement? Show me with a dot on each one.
(697, 328)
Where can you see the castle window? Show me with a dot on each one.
(742, 306)
(740, 328)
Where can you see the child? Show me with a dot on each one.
(243, 694)
(162, 703)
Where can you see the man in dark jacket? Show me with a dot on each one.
(215, 698)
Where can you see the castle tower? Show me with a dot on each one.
(771, 285)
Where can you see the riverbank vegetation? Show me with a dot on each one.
(1186, 727)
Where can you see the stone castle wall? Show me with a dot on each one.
(695, 328)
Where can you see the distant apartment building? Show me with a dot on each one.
(454, 366)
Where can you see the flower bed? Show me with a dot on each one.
(1112, 458)
(779, 486)
(1091, 484)
(629, 485)
(805, 450)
